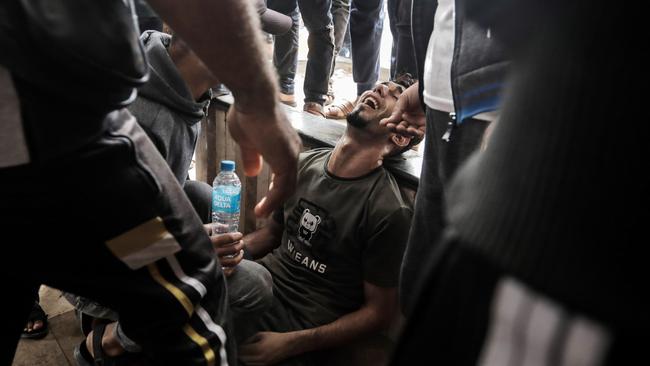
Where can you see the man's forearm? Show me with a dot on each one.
(226, 35)
(348, 328)
(262, 241)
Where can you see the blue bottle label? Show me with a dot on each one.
(226, 199)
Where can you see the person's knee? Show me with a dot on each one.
(319, 25)
(322, 33)
(250, 288)
(200, 195)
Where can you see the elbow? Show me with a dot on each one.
(383, 319)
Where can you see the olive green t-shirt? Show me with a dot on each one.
(338, 233)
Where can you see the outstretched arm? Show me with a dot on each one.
(380, 308)
(226, 35)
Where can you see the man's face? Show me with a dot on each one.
(375, 104)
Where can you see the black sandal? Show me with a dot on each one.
(84, 358)
(37, 314)
(85, 322)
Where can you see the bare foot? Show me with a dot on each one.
(36, 326)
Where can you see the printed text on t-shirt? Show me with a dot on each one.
(297, 256)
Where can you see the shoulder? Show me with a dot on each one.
(147, 111)
(313, 156)
(387, 199)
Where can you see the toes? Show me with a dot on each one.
(37, 325)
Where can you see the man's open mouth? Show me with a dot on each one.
(371, 102)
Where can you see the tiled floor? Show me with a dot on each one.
(56, 348)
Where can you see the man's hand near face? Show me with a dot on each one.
(408, 118)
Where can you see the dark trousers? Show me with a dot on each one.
(459, 322)
(111, 223)
(200, 195)
(340, 18)
(150, 23)
(318, 20)
(441, 159)
(470, 311)
(402, 56)
(365, 33)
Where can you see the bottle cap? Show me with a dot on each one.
(227, 165)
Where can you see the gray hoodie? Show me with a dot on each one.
(165, 108)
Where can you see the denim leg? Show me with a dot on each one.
(285, 48)
(365, 32)
(318, 20)
(90, 307)
(250, 293)
(340, 17)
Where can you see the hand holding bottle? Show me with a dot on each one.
(229, 248)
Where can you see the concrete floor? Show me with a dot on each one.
(56, 348)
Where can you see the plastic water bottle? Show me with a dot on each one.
(226, 196)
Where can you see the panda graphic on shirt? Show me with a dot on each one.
(311, 229)
(308, 225)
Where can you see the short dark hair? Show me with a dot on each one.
(404, 79)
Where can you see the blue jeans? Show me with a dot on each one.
(366, 25)
(318, 19)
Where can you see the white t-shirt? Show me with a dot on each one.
(437, 66)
